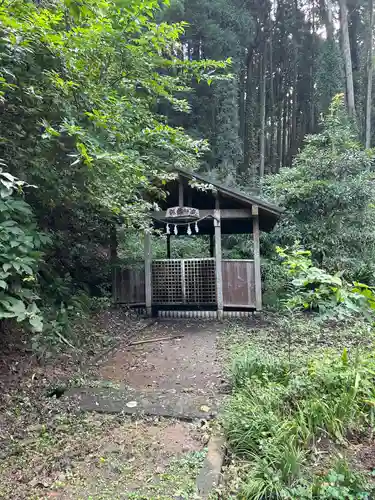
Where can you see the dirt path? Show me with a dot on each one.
(186, 364)
(141, 460)
(153, 457)
(181, 377)
(55, 450)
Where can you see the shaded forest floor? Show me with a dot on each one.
(50, 449)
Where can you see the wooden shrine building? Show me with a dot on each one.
(196, 206)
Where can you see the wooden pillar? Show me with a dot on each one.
(218, 268)
(258, 277)
(168, 246)
(148, 272)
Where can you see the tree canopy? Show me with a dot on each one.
(101, 99)
(329, 198)
(82, 85)
(288, 64)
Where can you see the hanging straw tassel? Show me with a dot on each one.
(196, 227)
(175, 229)
(168, 231)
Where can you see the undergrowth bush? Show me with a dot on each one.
(31, 290)
(281, 410)
(20, 254)
(312, 288)
(341, 482)
(274, 283)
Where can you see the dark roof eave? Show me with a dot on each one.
(249, 200)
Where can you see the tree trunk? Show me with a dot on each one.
(312, 76)
(369, 75)
(284, 128)
(326, 14)
(241, 105)
(347, 57)
(289, 130)
(280, 124)
(293, 127)
(263, 67)
(248, 111)
(272, 109)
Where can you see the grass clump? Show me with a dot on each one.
(282, 411)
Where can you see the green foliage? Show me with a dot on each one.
(60, 319)
(275, 283)
(312, 288)
(82, 86)
(226, 148)
(281, 409)
(215, 29)
(341, 482)
(131, 248)
(20, 244)
(329, 77)
(262, 366)
(329, 199)
(98, 70)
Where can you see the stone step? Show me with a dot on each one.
(180, 405)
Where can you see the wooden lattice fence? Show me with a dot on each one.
(182, 282)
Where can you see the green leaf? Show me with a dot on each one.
(344, 357)
(5, 315)
(36, 323)
(18, 307)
